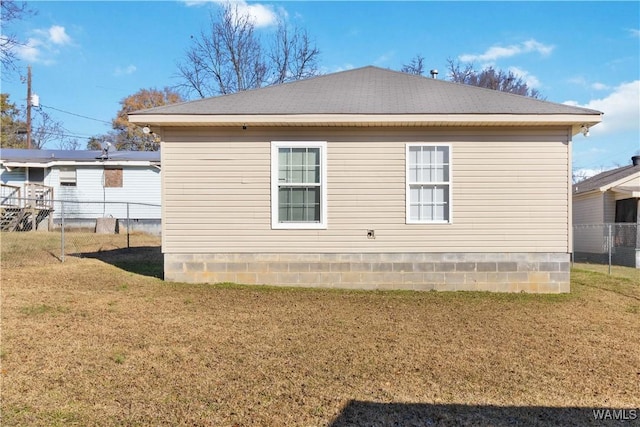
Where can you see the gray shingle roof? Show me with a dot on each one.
(369, 90)
(45, 156)
(605, 178)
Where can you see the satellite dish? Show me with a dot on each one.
(107, 146)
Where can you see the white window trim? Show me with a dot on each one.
(275, 146)
(408, 186)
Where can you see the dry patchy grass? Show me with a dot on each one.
(100, 341)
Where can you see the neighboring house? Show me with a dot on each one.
(609, 197)
(87, 181)
(369, 178)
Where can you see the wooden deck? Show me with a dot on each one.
(23, 208)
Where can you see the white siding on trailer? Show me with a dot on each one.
(510, 191)
(87, 198)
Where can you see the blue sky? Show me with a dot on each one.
(86, 56)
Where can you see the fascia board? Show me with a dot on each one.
(621, 181)
(575, 120)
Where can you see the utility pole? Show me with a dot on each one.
(29, 107)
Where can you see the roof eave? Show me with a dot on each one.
(619, 182)
(573, 120)
(18, 164)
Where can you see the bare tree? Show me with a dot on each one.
(490, 78)
(292, 55)
(11, 11)
(230, 57)
(45, 129)
(416, 66)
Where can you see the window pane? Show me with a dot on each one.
(427, 195)
(284, 196)
(429, 203)
(297, 156)
(283, 164)
(283, 214)
(296, 174)
(426, 213)
(297, 196)
(413, 155)
(414, 213)
(299, 204)
(426, 155)
(413, 174)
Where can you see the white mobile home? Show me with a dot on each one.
(610, 197)
(369, 178)
(88, 182)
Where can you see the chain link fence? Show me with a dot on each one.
(85, 227)
(608, 244)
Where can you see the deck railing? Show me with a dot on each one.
(10, 196)
(39, 196)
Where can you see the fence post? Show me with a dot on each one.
(610, 245)
(61, 231)
(128, 225)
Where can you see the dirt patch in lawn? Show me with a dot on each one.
(88, 342)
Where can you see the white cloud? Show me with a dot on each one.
(58, 35)
(621, 109)
(30, 51)
(634, 32)
(44, 46)
(581, 81)
(129, 69)
(262, 15)
(496, 52)
(531, 80)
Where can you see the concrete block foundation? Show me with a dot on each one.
(495, 272)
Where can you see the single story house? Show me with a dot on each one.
(369, 178)
(89, 182)
(610, 197)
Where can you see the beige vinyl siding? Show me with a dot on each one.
(588, 210)
(509, 191)
(609, 206)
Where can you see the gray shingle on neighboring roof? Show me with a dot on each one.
(45, 156)
(368, 90)
(605, 178)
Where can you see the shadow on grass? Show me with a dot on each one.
(358, 413)
(144, 260)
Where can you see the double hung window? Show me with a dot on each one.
(68, 176)
(298, 185)
(428, 183)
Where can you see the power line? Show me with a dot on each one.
(74, 114)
